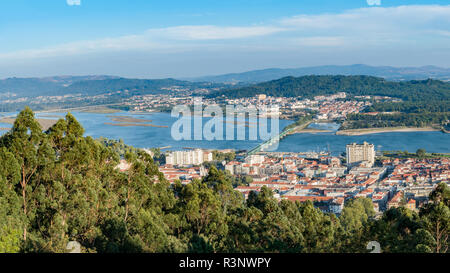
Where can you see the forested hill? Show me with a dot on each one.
(44, 86)
(137, 86)
(91, 85)
(310, 86)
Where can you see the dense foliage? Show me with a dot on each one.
(356, 121)
(58, 186)
(301, 121)
(221, 156)
(117, 146)
(310, 86)
(423, 106)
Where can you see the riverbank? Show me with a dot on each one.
(45, 123)
(303, 129)
(134, 125)
(128, 119)
(312, 131)
(100, 110)
(368, 131)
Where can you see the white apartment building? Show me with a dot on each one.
(255, 159)
(188, 158)
(359, 153)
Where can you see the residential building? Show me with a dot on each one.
(188, 158)
(360, 153)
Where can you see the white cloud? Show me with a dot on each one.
(441, 32)
(389, 27)
(152, 39)
(210, 32)
(74, 2)
(132, 42)
(378, 17)
(319, 41)
(380, 25)
(373, 2)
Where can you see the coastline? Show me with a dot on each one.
(134, 125)
(311, 131)
(368, 131)
(128, 119)
(303, 129)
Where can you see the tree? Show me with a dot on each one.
(435, 218)
(32, 151)
(204, 215)
(222, 184)
(396, 230)
(421, 153)
(441, 194)
(9, 240)
(354, 219)
(11, 219)
(320, 229)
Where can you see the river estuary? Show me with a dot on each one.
(158, 134)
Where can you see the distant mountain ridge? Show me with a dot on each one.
(46, 85)
(99, 84)
(67, 80)
(387, 72)
(91, 85)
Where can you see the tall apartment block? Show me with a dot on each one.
(187, 158)
(360, 153)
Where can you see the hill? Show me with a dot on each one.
(310, 86)
(387, 72)
(90, 86)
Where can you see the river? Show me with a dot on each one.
(147, 137)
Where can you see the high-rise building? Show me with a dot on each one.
(360, 153)
(186, 158)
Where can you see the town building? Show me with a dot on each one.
(396, 200)
(360, 153)
(188, 158)
(411, 204)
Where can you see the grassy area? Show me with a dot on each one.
(367, 131)
(128, 119)
(418, 155)
(300, 124)
(100, 110)
(134, 125)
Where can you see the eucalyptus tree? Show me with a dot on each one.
(31, 148)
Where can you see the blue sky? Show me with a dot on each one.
(175, 38)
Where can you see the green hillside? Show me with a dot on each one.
(310, 86)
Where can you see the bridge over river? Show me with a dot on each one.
(273, 140)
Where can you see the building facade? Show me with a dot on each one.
(360, 153)
(188, 158)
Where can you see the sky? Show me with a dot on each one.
(189, 38)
